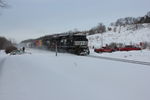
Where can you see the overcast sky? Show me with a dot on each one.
(33, 18)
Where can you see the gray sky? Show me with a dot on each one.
(33, 18)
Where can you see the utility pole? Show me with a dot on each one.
(56, 48)
(101, 40)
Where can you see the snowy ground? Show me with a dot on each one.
(141, 55)
(43, 76)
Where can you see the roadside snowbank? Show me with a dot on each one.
(141, 55)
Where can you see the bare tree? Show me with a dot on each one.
(101, 28)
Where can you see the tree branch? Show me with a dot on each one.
(2, 4)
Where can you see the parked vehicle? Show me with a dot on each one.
(128, 48)
(103, 49)
(109, 49)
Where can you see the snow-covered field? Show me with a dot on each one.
(43, 76)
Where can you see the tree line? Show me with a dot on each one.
(101, 28)
(131, 20)
(4, 43)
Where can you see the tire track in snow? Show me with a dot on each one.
(2, 62)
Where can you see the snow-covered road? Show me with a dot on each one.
(43, 76)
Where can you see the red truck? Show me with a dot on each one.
(103, 49)
(128, 48)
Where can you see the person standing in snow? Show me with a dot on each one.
(23, 49)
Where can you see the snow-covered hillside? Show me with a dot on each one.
(43, 76)
(130, 34)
